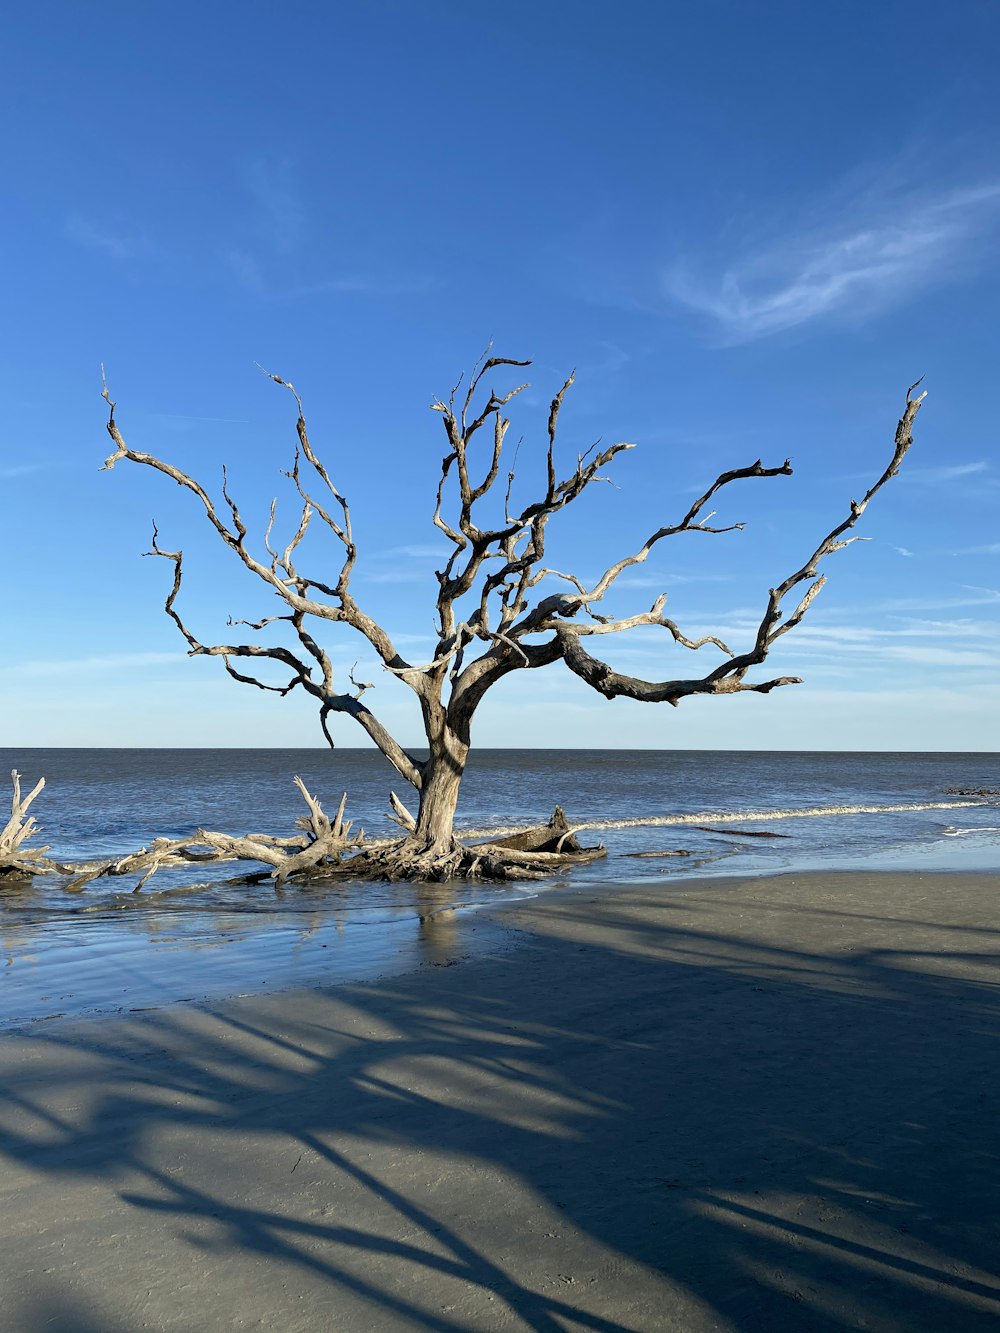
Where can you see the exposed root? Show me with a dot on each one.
(403, 860)
(532, 853)
(406, 859)
(317, 851)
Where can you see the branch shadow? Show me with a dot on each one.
(637, 1120)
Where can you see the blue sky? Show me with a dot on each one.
(747, 226)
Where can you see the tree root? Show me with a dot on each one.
(407, 859)
(316, 852)
(531, 853)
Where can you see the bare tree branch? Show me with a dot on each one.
(492, 616)
(234, 538)
(729, 677)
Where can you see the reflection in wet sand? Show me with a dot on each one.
(111, 961)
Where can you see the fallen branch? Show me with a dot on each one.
(317, 850)
(738, 832)
(639, 856)
(320, 842)
(16, 859)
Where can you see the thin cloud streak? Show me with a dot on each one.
(836, 649)
(69, 667)
(23, 470)
(857, 271)
(280, 212)
(367, 285)
(115, 244)
(417, 551)
(265, 279)
(979, 597)
(949, 473)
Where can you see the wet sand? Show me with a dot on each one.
(765, 1103)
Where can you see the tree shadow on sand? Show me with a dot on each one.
(645, 1123)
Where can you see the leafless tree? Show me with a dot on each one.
(491, 617)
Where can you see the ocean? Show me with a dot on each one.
(73, 952)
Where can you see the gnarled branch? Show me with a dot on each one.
(493, 614)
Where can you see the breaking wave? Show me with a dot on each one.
(734, 817)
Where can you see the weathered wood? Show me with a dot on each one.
(402, 816)
(318, 842)
(679, 851)
(540, 859)
(738, 832)
(17, 860)
(555, 836)
(492, 616)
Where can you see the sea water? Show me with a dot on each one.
(107, 947)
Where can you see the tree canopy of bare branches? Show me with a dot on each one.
(491, 615)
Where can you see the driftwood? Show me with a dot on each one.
(738, 832)
(319, 842)
(17, 860)
(556, 836)
(318, 850)
(639, 856)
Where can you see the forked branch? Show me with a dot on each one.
(496, 611)
(16, 857)
(729, 677)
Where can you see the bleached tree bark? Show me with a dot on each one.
(494, 571)
(319, 846)
(16, 857)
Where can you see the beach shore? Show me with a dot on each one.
(758, 1103)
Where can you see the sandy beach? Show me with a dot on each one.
(765, 1103)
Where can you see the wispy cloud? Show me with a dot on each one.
(967, 595)
(833, 648)
(837, 646)
(991, 548)
(609, 359)
(280, 213)
(184, 422)
(367, 284)
(661, 581)
(886, 250)
(955, 472)
(902, 550)
(411, 563)
(276, 255)
(398, 575)
(23, 470)
(116, 242)
(69, 667)
(246, 268)
(417, 551)
(265, 278)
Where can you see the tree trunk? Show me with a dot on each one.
(439, 793)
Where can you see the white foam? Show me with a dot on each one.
(737, 817)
